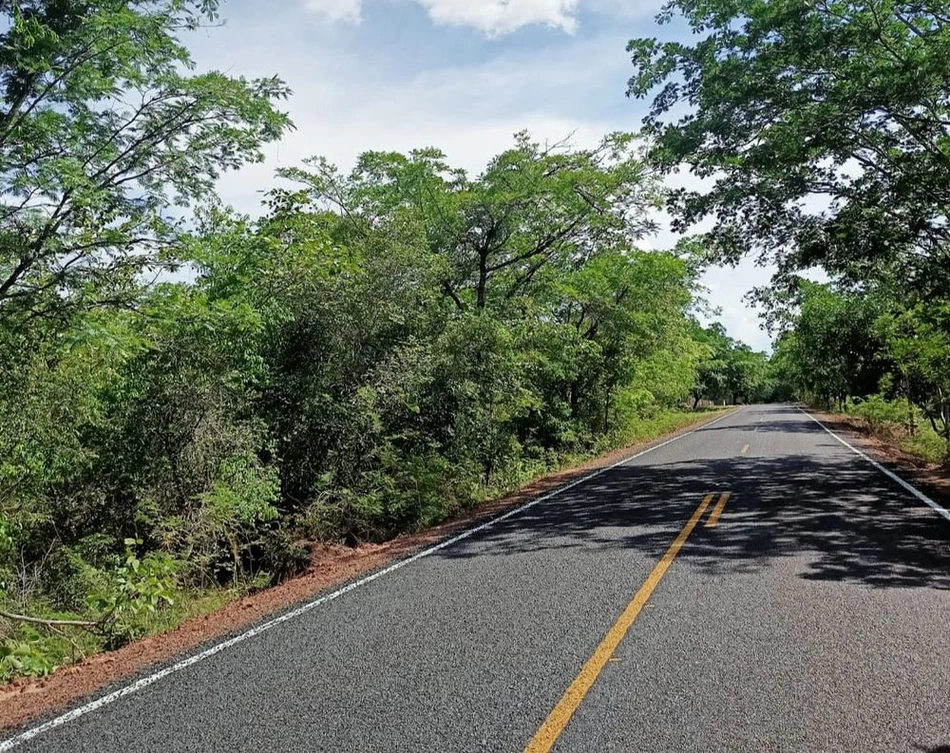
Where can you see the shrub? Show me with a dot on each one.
(135, 591)
(879, 413)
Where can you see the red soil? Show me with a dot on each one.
(27, 699)
(931, 478)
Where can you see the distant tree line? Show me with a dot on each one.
(823, 129)
(871, 354)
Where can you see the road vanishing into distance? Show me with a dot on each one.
(752, 586)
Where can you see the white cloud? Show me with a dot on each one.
(336, 10)
(344, 105)
(499, 17)
(503, 16)
(493, 17)
(625, 10)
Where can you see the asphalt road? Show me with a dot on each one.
(814, 617)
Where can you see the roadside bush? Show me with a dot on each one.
(72, 572)
(282, 552)
(132, 593)
(31, 653)
(879, 413)
(901, 422)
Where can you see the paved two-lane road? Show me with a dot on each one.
(814, 616)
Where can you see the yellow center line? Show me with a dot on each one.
(714, 516)
(745, 449)
(544, 739)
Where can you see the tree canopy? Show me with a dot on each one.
(820, 132)
(105, 134)
(535, 205)
(821, 128)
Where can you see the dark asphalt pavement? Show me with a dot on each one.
(814, 617)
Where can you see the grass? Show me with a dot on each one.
(666, 422)
(926, 444)
(32, 651)
(887, 421)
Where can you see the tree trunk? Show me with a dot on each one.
(480, 292)
(575, 399)
(911, 422)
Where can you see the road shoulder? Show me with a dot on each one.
(32, 699)
(930, 478)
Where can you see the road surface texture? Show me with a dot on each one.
(813, 616)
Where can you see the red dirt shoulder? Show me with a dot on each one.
(26, 699)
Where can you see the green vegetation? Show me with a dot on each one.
(822, 128)
(730, 371)
(872, 355)
(188, 396)
(901, 424)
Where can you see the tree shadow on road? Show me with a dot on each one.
(845, 520)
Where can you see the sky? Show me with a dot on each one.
(460, 75)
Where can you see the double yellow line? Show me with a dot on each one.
(713, 520)
(545, 738)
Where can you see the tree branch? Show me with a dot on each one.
(47, 622)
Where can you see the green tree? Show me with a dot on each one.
(835, 346)
(728, 370)
(711, 376)
(821, 127)
(533, 206)
(630, 308)
(917, 339)
(124, 403)
(105, 134)
(746, 374)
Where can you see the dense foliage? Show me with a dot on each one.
(822, 127)
(874, 354)
(188, 396)
(821, 131)
(730, 371)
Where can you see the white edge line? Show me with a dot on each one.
(941, 511)
(144, 682)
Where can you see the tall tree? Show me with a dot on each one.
(917, 339)
(534, 205)
(823, 127)
(105, 133)
(832, 339)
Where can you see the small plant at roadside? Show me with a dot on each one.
(29, 655)
(138, 589)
